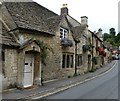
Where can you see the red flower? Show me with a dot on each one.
(104, 54)
(100, 50)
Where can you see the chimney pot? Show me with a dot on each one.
(64, 10)
(64, 5)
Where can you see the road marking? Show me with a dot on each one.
(73, 85)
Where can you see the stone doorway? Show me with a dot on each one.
(32, 69)
(28, 70)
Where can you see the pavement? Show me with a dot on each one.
(55, 86)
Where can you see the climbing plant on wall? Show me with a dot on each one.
(43, 47)
(85, 48)
(95, 60)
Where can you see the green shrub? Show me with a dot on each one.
(95, 60)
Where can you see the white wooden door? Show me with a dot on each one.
(28, 70)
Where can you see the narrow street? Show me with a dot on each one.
(103, 87)
(59, 50)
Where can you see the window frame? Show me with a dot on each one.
(63, 33)
(67, 60)
(84, 40)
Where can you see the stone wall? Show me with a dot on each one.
(85, 62)
(53, 67)
(10, 69)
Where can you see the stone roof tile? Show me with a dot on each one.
(7, 39)
(30, 15)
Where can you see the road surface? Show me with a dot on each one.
(103, 87)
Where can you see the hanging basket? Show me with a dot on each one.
(100, 51)
(85, 48)
(104, 54)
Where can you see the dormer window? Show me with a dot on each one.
(84, 40)
(63, 33)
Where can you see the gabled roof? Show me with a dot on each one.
(76, 28)
(28, 42)
(72, 21)
(53, 23)
(95, 36)
(78, 31)
(30, 15)
(7, 39)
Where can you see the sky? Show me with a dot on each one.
(101, 13)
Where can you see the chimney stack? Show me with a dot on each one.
(64, 10)
(100, 33)
(84, 20)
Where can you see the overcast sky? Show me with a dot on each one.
(101, 13)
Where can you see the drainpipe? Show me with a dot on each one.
(75, 59)
(92, 51)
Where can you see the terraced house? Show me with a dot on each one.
(97, 42)
(40, 45)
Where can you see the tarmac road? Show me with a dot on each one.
(102, 87)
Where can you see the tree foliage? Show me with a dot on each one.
(112, 31)
(112, 38)
(106, 36)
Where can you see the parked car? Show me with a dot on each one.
(119, 57)
(116, 58)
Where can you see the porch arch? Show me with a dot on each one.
(34, 50)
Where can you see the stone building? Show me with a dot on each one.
(97, 48)
(107, 49)
(38, 44)
(9, 57)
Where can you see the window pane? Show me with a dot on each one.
(61, 30)
(63, 61)
(71, 61)
(80, 60)
(63, 33)
(68, 61)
